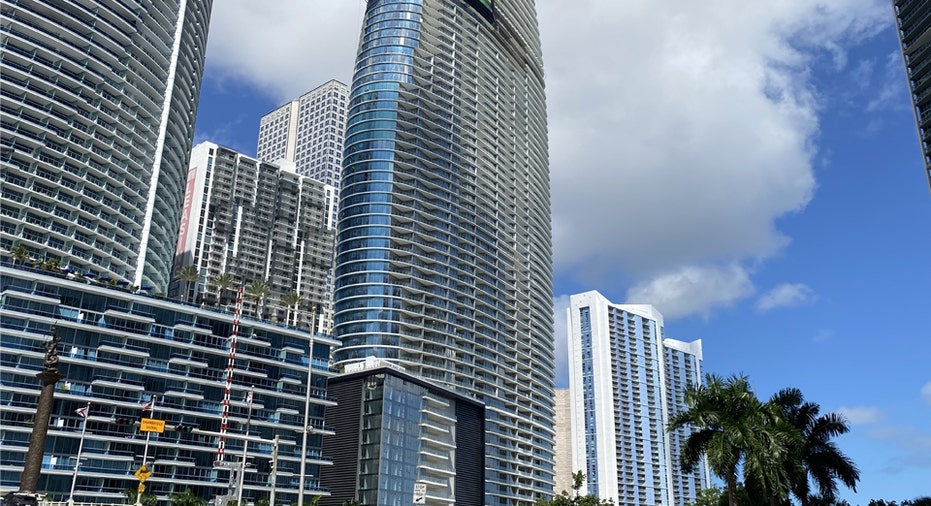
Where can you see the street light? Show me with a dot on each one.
(307, 428)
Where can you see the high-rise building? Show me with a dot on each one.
(625, 382)
(257, 221)
(98, 106)
(121, 350)
(915, 37)
(682, 368)
(444, 243)
(402, 440)
(309, 132)
(563, 446)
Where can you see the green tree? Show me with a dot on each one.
(221, 283)
(815, 458)
(20, 254)
(351, 502)
(725, 418)
(189, 274)
(574, 498)
(258, 291)
(291, 300)
(146, 499)
(186, 499)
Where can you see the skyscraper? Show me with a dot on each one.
(915, 37)
(99, 99)
(444, 243)
(309, 132)
(258, 222)
(625, 382)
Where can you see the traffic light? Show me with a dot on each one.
(184, 428)
(124, 421)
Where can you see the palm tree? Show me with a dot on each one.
(291, 300)
(145, 499)
(814, 458)
(20, 254)
(725, 418)
(257, 291)
(186, 499)
(221, 282)
(188, 274)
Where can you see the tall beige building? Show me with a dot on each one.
(563, 447)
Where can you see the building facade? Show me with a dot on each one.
(121, 349)
(563, 446)
(913, 19)
(625, 383)
(258, 222)
(396, 433)
(443, 259)
(682, 368)
(96, 128)
(308, 131)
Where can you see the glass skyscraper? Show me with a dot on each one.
(98, 107)
(913, 19)
(444, 244)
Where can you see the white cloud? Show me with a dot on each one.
(287, 49)
(680, 131)
(680, 142)
(693, 289)
(861, 415)
(784, 295)
(926, 392)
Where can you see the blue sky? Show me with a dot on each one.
(750, 168)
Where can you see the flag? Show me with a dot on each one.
(249, 397)
(82, 411)
(146, 406)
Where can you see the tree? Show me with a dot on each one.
(146, 499)
(20, 254)
(257, 291)
(725, 417)
(574, 498)
(291, 300)
(188, 274)
(815, 457)
(221, 283)
(186, 499)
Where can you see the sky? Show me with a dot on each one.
(752, 169)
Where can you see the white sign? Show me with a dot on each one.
(420, 493)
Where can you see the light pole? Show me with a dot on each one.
(145, 453)
(74, 477)
(271, 499)
(245, 449)
(307, 428)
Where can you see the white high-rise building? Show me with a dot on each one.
(309, 132)
(258, 222)
(99, 99)
(625, 382)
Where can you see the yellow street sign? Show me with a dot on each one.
(143, 474)
(152, 425)
(141, 488)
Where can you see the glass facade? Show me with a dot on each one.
(444, 245)
(119, 349)
(913, 19)
(99, 100)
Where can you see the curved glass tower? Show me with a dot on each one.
(444, 245)
(99, 99)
